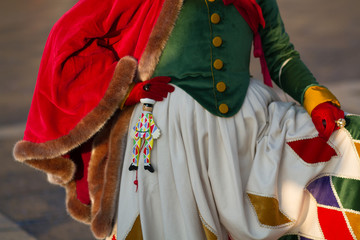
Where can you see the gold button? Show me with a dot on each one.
(218, 64)
(215, 18)
(217, 41)
(221, 86)
(223, 108)
(211, 0)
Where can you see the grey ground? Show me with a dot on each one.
(327, 34)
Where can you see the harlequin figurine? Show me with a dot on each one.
(144, 132)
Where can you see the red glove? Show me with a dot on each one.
(156, 88)
(324, 116)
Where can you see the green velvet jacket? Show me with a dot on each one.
(208, 55)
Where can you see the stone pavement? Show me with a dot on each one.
(11, 231)
(326, 33)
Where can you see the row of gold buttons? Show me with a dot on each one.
(218, 63)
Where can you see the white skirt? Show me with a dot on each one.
(234, 177)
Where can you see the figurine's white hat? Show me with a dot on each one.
(147, 101)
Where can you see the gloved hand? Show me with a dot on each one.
(324, 116)
(156, 88)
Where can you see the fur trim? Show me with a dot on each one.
(103, 221)
(96, 169)
(53, 179)
(60, 170)
(75, 208)
(158, 38)
(113, 233)
(123, 76)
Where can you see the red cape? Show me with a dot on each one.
(79, 59)
(81, 54)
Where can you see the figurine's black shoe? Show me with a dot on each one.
(133, 167)
(149, 168)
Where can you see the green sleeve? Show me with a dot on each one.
(295, 76)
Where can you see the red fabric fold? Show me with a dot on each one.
(81, 157)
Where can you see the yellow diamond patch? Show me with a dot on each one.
(357, 145)
(268, 211)
(354, 220)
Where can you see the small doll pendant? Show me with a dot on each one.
(144, 133)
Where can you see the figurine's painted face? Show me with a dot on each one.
(147, 108)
